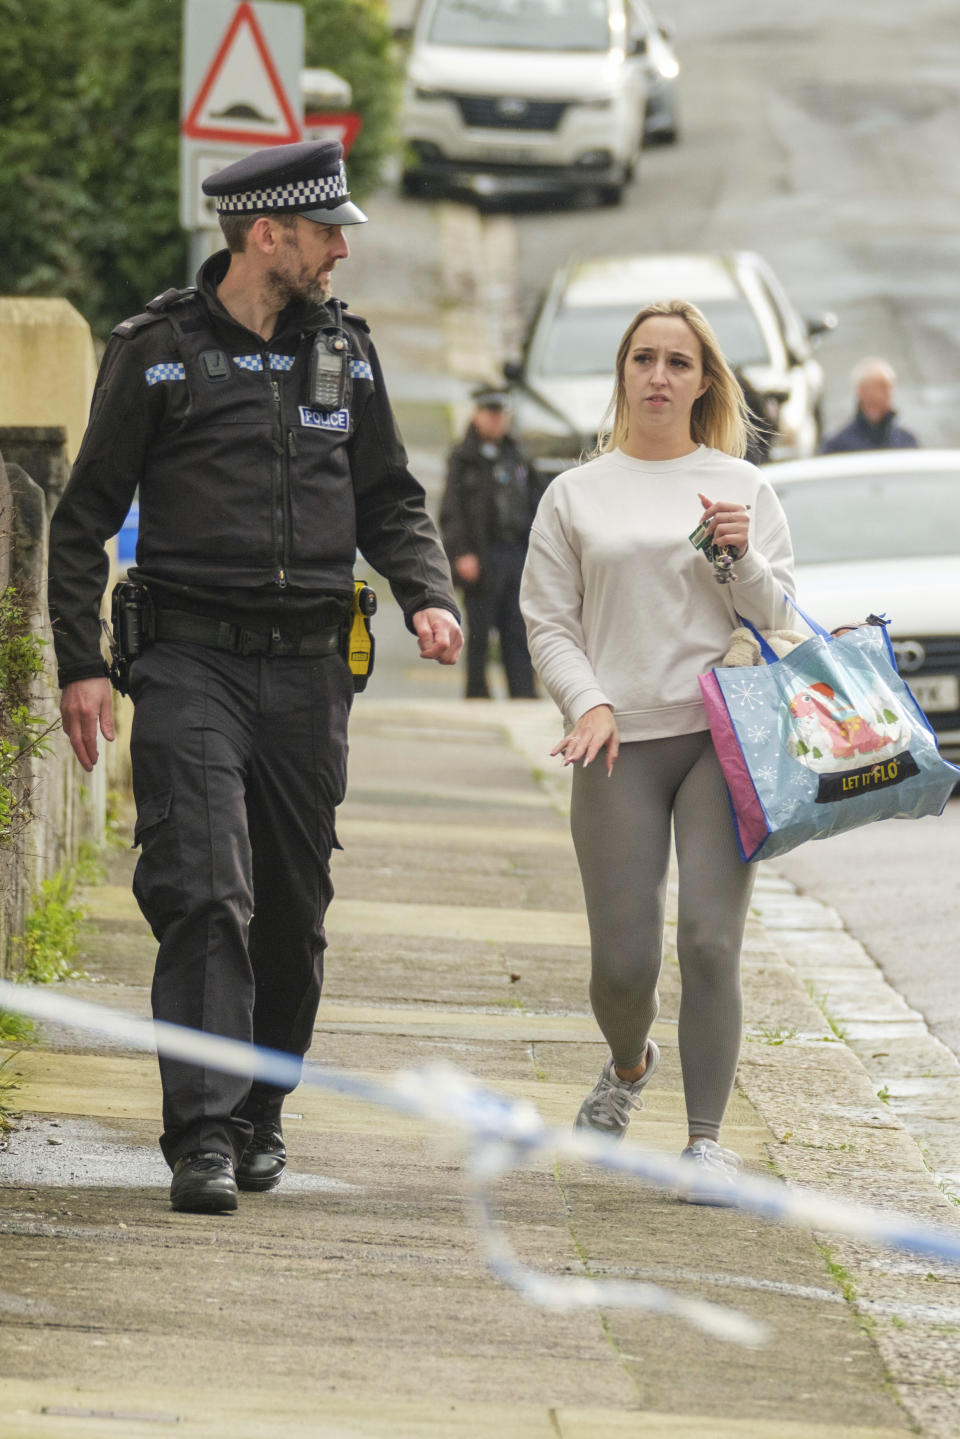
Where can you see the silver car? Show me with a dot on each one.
(563, 384)
(875, 532)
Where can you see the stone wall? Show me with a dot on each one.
(48, 366)
(46, 379)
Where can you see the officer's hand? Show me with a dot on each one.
(441, 638)
(467, 568)
(593, 731)
(85, 707)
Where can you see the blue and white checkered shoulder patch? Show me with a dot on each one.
(281, 362)
(360, 370)
(168, 370)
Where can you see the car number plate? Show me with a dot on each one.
(508, 155)
(935, 692)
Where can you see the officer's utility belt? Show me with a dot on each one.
(138, 622)
(218, 635)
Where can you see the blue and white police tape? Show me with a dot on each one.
(502, 1134)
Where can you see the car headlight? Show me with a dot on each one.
(424, 92)
(602, 102)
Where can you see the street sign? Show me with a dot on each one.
(342, 125)
(240, 90)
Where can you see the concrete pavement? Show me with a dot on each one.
(352, 1301)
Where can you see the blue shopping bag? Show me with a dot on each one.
(824, 740)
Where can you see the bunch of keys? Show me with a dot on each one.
(720, 556)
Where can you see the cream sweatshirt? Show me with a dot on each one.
(620, 608)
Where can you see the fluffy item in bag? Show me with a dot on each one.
(744, 648)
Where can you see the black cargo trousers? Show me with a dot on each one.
(239, 762)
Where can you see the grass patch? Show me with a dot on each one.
(820, 1000)
(768, 1034)
(16, 1028)
(8, 1083)
(49, 945)
(840, 1275)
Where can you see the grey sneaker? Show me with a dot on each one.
(607, 1107)
(713, 1170)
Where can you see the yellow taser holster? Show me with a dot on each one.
(360, 642)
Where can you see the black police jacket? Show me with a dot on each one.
(243, 483)
(469, 518)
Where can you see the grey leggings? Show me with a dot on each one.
(621, 831)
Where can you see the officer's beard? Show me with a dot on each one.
(297, 281)
(306, 289)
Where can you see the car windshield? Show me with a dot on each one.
(872, 517)
(584, 340)
(522, 24)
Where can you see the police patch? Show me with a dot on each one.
(168, 370)
(323, 420)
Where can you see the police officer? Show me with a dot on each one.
(252, 414)
(485, 517)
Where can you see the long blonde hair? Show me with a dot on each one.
(719, 418)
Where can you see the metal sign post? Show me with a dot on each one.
(240, 91)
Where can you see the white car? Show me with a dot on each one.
(876, 532)
(563, 384)
(508, 95)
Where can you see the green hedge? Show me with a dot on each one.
(89, 145)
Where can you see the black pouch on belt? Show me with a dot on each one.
(131, 613)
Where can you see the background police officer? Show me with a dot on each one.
(251, 412)
(488, 507)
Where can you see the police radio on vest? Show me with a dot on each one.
(328, 371)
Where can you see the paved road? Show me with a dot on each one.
(824, 137)
(895, 886)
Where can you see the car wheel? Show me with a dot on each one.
(412, 185)
(661, 133)
(611, 194)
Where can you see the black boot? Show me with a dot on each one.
(203, 1183)
(264, 1159)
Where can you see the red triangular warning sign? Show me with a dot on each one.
(241, 97)
(342, 125)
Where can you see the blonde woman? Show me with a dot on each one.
(622, 615)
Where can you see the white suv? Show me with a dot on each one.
(503, 94)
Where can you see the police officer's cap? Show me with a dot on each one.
(489, 397)
(307, 179)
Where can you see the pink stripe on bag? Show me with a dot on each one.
(752, 827)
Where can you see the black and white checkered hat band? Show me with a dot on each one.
(298, 195)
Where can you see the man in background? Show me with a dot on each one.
(874, 426)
